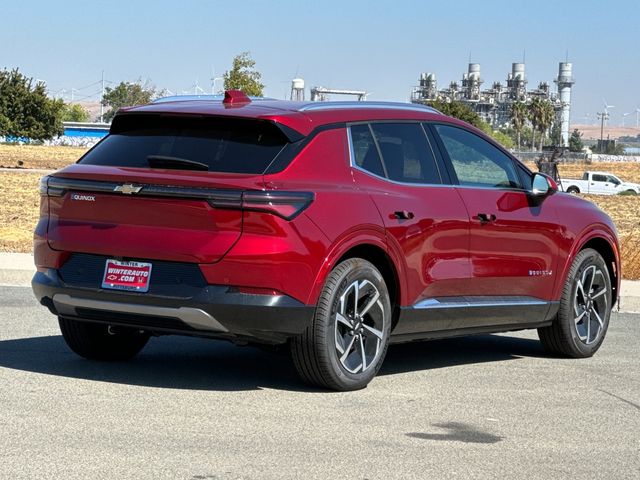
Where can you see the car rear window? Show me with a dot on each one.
(226, 145)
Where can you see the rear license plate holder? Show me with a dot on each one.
(128, 276)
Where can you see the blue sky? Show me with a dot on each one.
(378, 46)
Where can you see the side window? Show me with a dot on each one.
(599, 178)
(477, 162)
(364, 150)
(406, 153)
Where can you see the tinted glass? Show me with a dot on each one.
(406, 153)
(224, 145)
(477, 162)
(599, 178)
(365, 151)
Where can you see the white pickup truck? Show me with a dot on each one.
(600, 183)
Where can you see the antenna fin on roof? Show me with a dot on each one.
(232, 97)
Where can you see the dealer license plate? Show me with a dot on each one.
(131, 276)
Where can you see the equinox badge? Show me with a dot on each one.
(128, 188)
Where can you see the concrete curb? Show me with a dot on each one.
(17, 269)
(630, 296)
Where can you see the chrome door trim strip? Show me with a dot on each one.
(477, 301)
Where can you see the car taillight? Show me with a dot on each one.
(47, 189)
(284, 204)
(44, 181)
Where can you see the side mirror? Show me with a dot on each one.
(543, 185)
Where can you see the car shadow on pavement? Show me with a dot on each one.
(428, 355)
(200, 364)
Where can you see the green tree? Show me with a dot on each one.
(547, 116)
(541, 115)
(74, 112)
(518, 117)
(503, 138)
(575, 141)
(25, 109)
(533, 112)
(126, 94)
(243, 76)
(462, 112)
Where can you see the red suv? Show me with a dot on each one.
(334, 227)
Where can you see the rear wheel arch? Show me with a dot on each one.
(372, 248)
(385, 265)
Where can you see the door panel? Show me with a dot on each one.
(425, 220)
(514, 252)
(513, 237)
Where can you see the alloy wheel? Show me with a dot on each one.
(590, 305)
(359, 326)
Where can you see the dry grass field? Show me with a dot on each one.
(19, 199)
(19, 208)
(625, 212)
(37, 156)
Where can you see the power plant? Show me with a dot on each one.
(494, 104)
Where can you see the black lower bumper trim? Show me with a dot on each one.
(215, 311)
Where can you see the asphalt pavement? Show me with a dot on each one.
(490, 406)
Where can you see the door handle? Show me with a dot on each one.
(486, 217)
(403, 215)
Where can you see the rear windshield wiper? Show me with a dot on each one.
(176, 163)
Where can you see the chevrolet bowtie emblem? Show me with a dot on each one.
(128, 188)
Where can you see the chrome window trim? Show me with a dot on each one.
(354, 166)
(352, 161)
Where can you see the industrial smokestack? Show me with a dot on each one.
(565, 82)
(517, 71)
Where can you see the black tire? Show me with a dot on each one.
(565, 336)
(573, 190)
(98, 342)
(315, 353)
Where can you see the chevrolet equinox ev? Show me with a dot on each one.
(332, 227)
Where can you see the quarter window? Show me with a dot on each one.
(365, 150)
(477, 162)
(406, 154)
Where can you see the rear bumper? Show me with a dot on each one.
(213, 311)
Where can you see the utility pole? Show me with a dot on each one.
(101, 98)
(602, 116)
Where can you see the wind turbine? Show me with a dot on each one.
(213, 80)
(625, 115)
(606, 109)
(197, 89)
